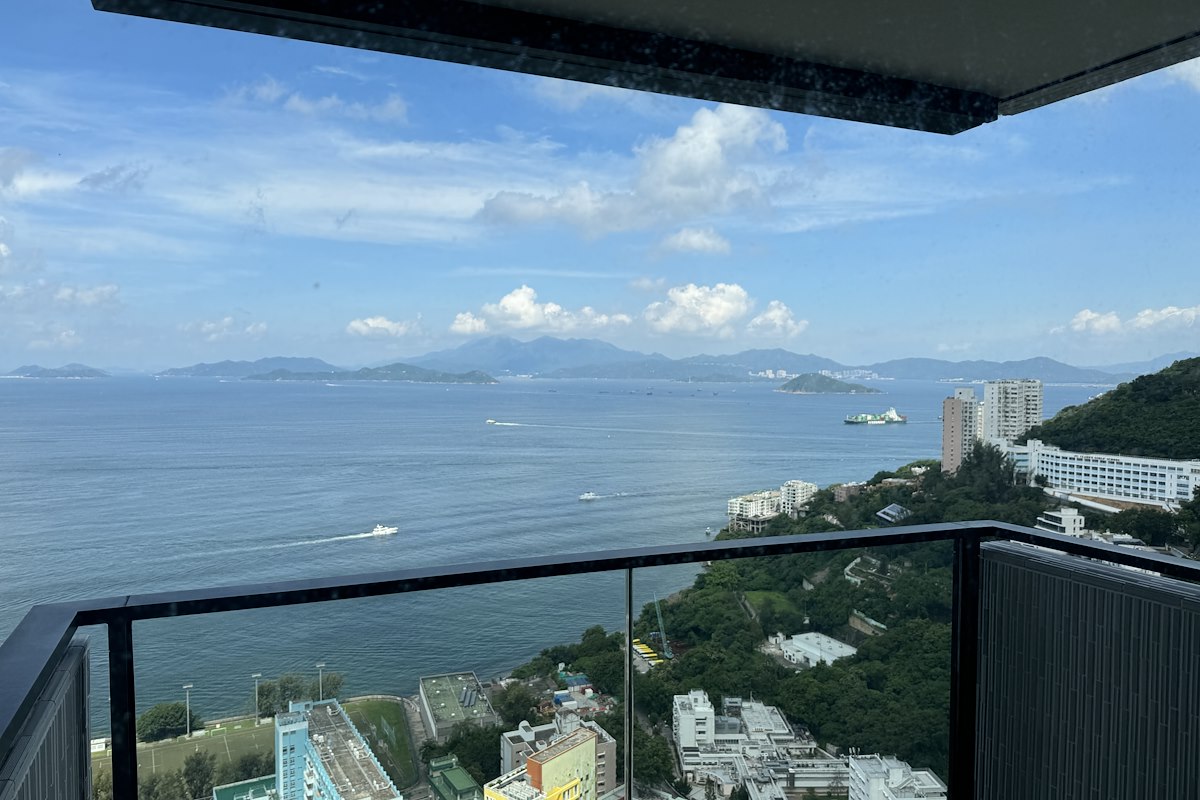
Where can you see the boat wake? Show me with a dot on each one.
(258, 548)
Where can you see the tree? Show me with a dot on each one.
(162, 786)
(514, 704)
(710, 789)
(199, 770)
(326, 686)
(249, 766)
(166, 720)
(681, 787)
(102, 788)
(477, 748)
(293, 687)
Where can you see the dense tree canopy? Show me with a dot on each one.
(165, 721)
(1154, 415)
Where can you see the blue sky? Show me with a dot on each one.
(172, 194)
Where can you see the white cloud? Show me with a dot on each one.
(708, 166)
(777, 321)
(1187, 73)
(468, 324)
(224, 328)
(700, 309)
(382, 326)
(119, 178)
(1088, 321)
(645, 284)
(270, 92)
(87, 296)
(1168, 316)
(572, 95)
(520, 310)
(1095, 322)
(696, 240)
(61, 339)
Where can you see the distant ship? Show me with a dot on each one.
(589, 496)
(888, 417)
(384, 530)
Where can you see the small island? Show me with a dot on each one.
(67, 371)
(392, 372)
(815, 383)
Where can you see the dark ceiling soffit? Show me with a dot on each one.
(488, 36)
(1164, 55)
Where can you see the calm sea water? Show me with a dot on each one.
(136, 485)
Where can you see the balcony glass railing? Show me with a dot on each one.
(484, 643)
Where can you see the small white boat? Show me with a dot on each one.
(589, 496)
(491, 422)
(384, 530)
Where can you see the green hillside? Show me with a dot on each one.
(1155, 415)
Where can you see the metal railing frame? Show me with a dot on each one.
(31, 652)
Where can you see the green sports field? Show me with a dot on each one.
(384, 724)
(226, 743)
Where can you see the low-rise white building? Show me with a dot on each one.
(749, 744)
(1154, 481)
(751, 512)
(795, 495)
(810, 649)
(1067, 521)
(878, 777)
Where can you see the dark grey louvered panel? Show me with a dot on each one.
(1089, 680)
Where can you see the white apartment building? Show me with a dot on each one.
(1154, 481)
(692, 723)
(794, 495)
(751, 512)
(1067, 521)
(962, 425)
(878, 777)
(1010, 408)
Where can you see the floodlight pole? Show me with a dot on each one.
(256, 676)
(187, 714)
(321, 680)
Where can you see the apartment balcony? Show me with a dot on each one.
(1071, 676)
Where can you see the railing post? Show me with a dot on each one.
(630, 717)
(964, 666)
(122, 712)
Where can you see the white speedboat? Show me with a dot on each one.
(384, 530)
(589, 496)
(491, 422)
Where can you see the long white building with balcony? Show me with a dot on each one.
(1137, 479)
(751, 512)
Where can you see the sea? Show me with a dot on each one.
(133, 485)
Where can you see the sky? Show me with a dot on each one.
(171, 194)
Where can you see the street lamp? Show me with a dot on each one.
(321, 680)
(256, 676)
(187, 688)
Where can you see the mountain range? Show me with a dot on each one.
(244, 369)
(66, 371)
(549, 357)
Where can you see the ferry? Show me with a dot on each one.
(384, 530)
(886, 418)
(589, 496)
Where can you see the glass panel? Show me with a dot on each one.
(420, 676)
(795, 675)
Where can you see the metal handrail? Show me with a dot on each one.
(28, 656)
